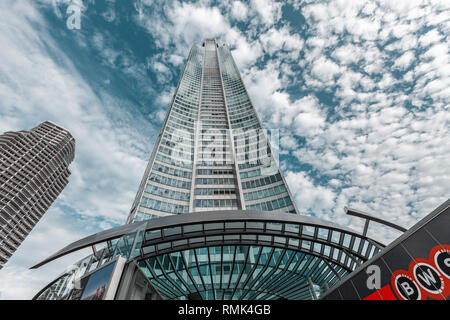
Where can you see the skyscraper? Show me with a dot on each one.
(213, 217)
(33, 172)
(212, 152)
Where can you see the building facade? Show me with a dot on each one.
(213, 217)
(33, 172)
(212, 152)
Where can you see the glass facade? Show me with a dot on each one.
(249, 260)
(212, 152)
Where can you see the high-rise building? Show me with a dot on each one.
(33, 172)
(212, 152)
(213, 217)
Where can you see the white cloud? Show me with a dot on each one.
(405, 60)
(277, 39)
(309, 198)
(431, 37)
(51, 233)
(239, 10)
(325, 70)
(377, 149)
(269, 12)
(39, 82)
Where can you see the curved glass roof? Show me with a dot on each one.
(218, 255)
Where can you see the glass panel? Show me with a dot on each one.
(294, 228)
(196, 240)
(179, 243)
(308, 231)
(234, 225)
(347, 239)
(323, 234)
(364, 249)
(255, 225)
(265, 238)
(335, 236)
(213, 226)
(335, 253)
(326, 251)
(317, 247)
(273, 226)
(154, 234)
(192, 228)
(372, 251)
(148, 249)
(214, 238)
(172, 231)
(231, 237)
(280, 240)
(356, 244)
(306, 244)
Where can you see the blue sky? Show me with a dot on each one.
(359, 90)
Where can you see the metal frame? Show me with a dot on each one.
(331, 251)
(369, 217)
(199, 217)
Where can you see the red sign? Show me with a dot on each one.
(425, 278)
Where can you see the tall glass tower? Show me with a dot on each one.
(213, 217)
(212, 152)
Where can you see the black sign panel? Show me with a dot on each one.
(416, 266)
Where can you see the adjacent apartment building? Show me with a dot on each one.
(33, 172)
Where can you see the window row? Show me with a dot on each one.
(173, 172)
(189, 111)
(255, 126)
(170, 181)
(253, 157)
(179, 127)
(216, 126)
(172, 118)
(271, 205)
(214, 171)
(239, 120)
(215, 163)
(214, 191)
(178, 145)
(177, 130)
(260, 194)
(163, 206)
(166, 193)
(261, 182)
(141, 216)
(177, 153)
(187, 105)
(182, 114)
(216, 203)
(250, 174)
(215, 181)
(174, 162)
